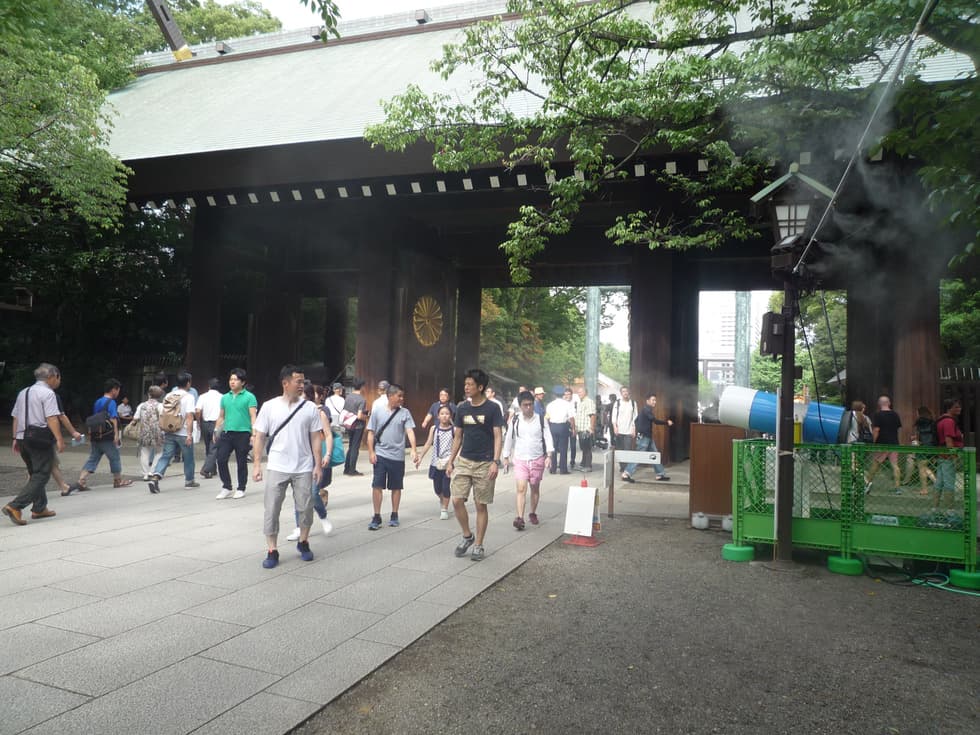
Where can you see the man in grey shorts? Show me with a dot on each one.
(388, 428)
(292, 425)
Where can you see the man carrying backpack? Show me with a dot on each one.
(529, 442)
(177, 422)
(105, 436)
(948, 434)
(622, 422)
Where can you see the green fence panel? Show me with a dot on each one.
(915, 503)
(908, 502)
(817, 497)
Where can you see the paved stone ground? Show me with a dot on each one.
(652, 633)
(134, 613)
(138, 613)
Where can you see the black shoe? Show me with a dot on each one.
(564, 472)
(154, 486)
(355, 473)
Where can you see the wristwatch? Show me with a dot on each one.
(497, 462)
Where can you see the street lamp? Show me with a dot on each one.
(790, 201)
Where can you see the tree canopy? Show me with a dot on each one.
(537, 335)
(739, 82)
(56, 61)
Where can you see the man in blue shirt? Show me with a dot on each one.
(108, 442)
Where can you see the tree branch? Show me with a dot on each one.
(783, 29)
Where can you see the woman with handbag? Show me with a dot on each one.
(441, 440)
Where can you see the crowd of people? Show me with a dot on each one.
(884, 427)
(294, 441)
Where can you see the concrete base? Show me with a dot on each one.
(840, 565)
(737, 552)
(966, 580)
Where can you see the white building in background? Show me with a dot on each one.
(716, 339)
(716, 333)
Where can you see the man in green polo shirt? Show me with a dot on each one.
(238, 410)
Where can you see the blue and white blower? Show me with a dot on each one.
(757, 410)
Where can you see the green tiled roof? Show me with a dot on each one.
(319, 93)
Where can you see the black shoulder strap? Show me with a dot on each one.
(27, 408)
(283, 424)
(544, 447)
(377, 437)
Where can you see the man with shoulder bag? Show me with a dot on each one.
(37, 436)
(105, 436)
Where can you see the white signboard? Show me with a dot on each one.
(579, 510)
(633, 456)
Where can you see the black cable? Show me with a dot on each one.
(927, 11)
(816, 391)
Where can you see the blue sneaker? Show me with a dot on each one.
(394, 520)
(271, 560)
(303, 547)
(375, 523)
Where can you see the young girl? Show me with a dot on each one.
(441, 440)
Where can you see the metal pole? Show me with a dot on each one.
(743, 311)
(784, 448)
(593, 311)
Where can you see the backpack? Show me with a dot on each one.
(865, 434)
(614, 412)
(99, 424)
(171, 418)
(926, 431)
(544, 448)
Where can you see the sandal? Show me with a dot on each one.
(122, 483)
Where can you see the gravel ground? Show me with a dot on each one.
(652, 632)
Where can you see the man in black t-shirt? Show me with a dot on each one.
(884, 428)
(477, 446)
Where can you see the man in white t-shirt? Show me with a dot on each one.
(182, 439)
(623, 422)
(207, 410)
(529, 444)
(292, 425)
(515, 406)
(382, 399)
(335, 404)
(560, 415)
(492, 396)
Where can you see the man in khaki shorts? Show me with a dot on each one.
(477, 445)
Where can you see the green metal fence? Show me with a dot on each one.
(907, 502)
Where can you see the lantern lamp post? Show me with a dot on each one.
(790, 200)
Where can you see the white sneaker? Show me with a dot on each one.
(238, 494)
(327, 526)
(225, 493)
(444, 515)
(294, 536)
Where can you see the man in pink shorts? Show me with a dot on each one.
(529, 443)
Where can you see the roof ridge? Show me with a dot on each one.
(351, 31)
